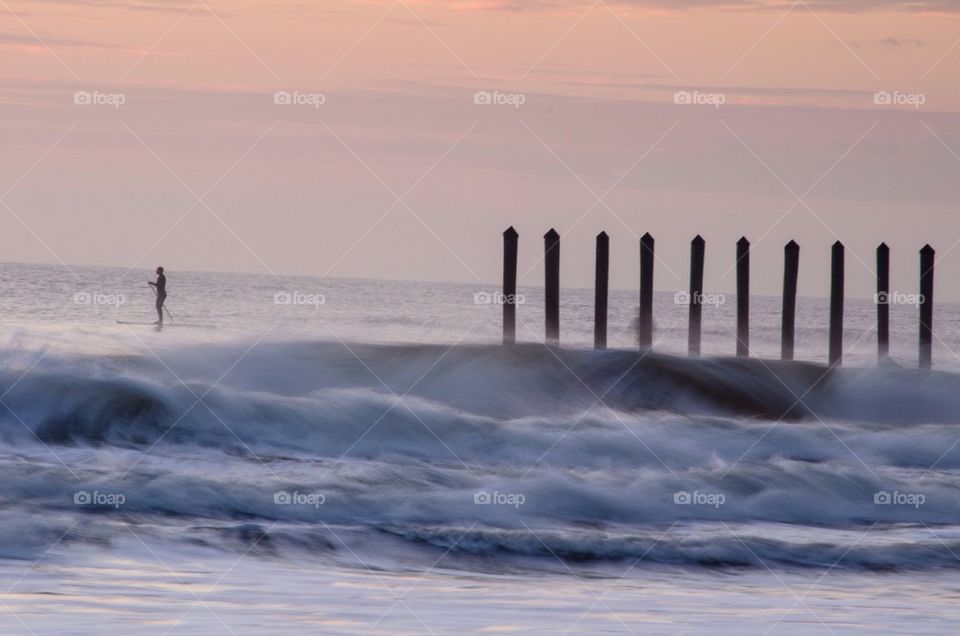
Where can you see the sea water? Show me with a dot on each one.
(294, 455)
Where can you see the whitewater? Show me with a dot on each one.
(342, 456)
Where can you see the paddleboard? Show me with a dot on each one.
(166, 324)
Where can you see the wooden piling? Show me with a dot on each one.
(791, 270)
(836, 304)
(551, 247)
(509, 286)
(646, 291)
(697, 246)
(883, 301)
(926, 306)
(600, 292)
(743, 297)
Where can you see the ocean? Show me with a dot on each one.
(295, 455)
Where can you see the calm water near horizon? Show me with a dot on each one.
(232, 305)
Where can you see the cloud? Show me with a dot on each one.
(889, 44)
(745, 91)
(875, 6)
(146, 5)
(41, 40)
(30, 41)
(835, 6)
(222, 8)
(17, 39)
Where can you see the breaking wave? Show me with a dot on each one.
(488, 452)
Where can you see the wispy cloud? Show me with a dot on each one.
(146, 5)
(889, 43)
(223, 8)
(836, 6)
(29, 41)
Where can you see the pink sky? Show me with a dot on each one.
(399, 174)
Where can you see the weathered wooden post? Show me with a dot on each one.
(551, 247)
(743, 297)
(836, 304)
(600, 292)
(791, 270)
(696, 294)
(509, 286)
(646, 291)
(883, 301)
(926, 306)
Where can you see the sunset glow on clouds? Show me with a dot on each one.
(293, 187)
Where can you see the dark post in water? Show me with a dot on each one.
(509, 286)
(600, 292)
(883, 301)
(696, 293)
(791, 270)
(646, 291)
(926, 306)
(836, 304)
(551, 249)
(743, 297)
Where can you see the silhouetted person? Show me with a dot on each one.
(161, 286)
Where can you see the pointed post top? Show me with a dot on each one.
(698, 239)
(838, 245)
(646, 237)
(510, 231)
(743, 241)
(883, 247)
(552, 234)
(792, 245)
(927, 249)
(602, 235)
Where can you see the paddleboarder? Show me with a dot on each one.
(161, 289)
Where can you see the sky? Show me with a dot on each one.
(397, 140)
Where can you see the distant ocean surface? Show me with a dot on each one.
(294, 455)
